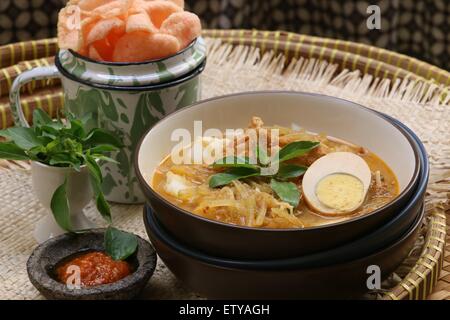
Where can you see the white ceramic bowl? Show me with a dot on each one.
(317, 113)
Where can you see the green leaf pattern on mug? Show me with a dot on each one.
(137, 75)
(128, 115)
(164, 74)
(75, 66)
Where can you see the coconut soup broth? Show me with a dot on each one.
(383, 188)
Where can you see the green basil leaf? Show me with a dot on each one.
(60, 207)
(289, 171)
(296, 149)
(103, 207)
(38, 153)
(76, 165)
(77, 128)
(94, 169)
(96, 181)
(54, 147)
(71, 145)
(224, 178)
(4, 133)
(57, 125)
(234, 162)
(24, 138)
(104, 158)
(103, 148)
(40, 117)
(45, 139)
(65, 159)
(286, 191)
(99, 137)
(49, 130)
(10, 151)
(60, 159)
(119, 244)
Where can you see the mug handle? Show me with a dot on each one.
(38, 73)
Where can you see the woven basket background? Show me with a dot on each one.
(426, 278)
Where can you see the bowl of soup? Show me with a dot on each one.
(269, 175)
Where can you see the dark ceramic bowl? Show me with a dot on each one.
(218, 278)
(396, 145)
(370, 243)
(45, 257)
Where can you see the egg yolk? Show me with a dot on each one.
(342, 192)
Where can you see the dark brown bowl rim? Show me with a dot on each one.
(405, 133)
(126, 64)
(276, 264)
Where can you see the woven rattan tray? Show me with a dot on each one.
(425, 279)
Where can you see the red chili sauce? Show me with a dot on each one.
(96, 268)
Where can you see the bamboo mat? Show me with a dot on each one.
(409, 90)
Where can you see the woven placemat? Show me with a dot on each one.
(244, 68)
(346, 55)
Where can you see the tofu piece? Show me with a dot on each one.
(176, 183)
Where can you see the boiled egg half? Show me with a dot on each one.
(336, 184)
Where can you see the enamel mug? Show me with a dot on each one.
(126, 99)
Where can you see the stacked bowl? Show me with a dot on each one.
(338, 260)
